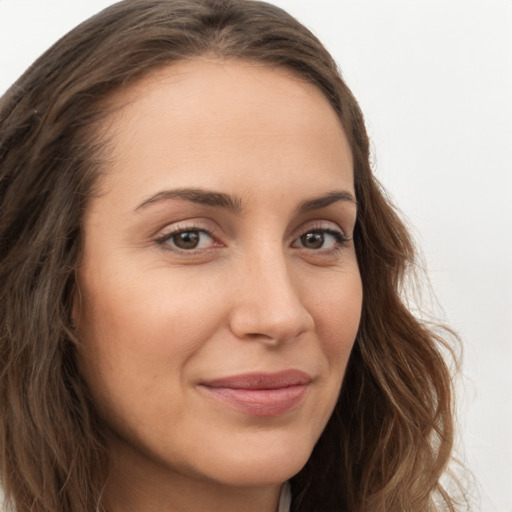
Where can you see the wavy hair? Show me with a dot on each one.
(390, 437)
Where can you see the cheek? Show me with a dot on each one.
(142, 324)
(337, 324)
(338, 313)
(138, 336)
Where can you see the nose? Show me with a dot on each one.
(267, 303)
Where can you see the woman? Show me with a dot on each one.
(202, 281)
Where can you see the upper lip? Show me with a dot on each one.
(261, 380)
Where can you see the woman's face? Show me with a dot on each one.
(219, 292)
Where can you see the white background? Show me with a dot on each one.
(434, 79)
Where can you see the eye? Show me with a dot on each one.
(321, 239)
(187, 239)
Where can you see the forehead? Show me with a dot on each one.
(247, 81)
(224, 116)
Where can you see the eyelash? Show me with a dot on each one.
(163, 239)
(340, 239)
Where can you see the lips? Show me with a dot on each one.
(260, 394)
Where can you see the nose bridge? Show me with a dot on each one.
(268, 304)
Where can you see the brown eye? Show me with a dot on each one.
(313, 240)
(187, 240)
(321, 239)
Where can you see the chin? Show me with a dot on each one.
(274, 465)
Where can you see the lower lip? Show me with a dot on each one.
(260, 402)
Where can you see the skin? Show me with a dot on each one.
(268, 287)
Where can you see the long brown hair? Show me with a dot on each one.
(390, 437)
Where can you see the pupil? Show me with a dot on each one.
(187, 240)
(312, 240)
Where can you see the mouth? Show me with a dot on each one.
(260, 394)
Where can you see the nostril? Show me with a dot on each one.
(258, 325)
(261, 336)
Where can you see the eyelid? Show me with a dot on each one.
(339, 240)
(209, 228)
(176, 228)
(320, 225)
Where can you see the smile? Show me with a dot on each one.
(260, 394)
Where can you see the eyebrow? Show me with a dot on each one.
(222, 200)
(196, 195)
(326, 200)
